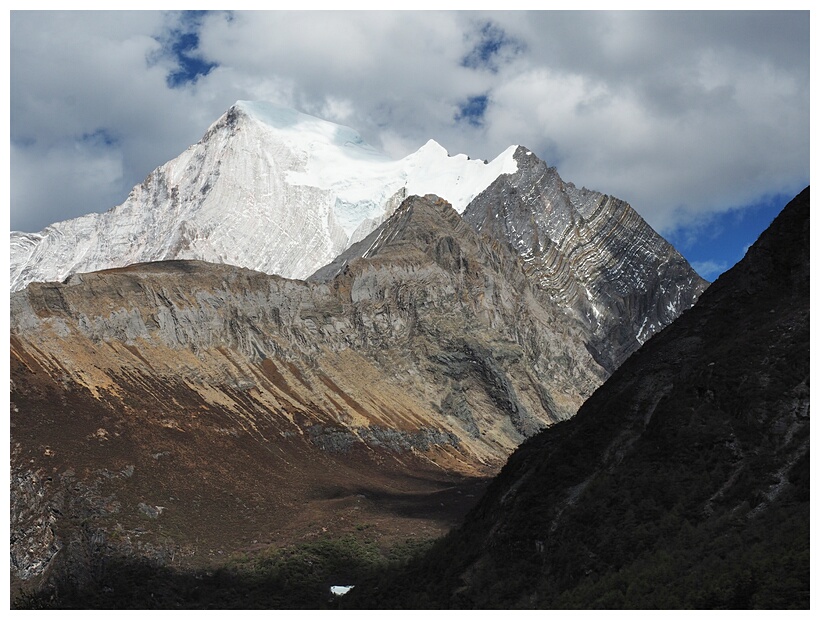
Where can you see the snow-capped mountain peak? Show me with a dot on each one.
(267, 187)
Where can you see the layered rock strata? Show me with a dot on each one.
(591, 253)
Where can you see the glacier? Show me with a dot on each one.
(267, 188)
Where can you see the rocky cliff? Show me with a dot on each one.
(591, 253)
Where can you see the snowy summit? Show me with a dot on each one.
(267, 188)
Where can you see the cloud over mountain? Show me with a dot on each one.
(684, 115)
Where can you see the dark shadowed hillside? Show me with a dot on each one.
(683, 482)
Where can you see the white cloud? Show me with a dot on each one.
(710, 269)
(80, 176)
(682, 115)
(715, 131)
(74, 74)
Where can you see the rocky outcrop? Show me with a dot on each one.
(591, 253)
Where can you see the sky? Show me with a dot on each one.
(700, 120)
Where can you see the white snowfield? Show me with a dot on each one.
(267, 188)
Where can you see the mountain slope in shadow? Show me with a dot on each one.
(683, 482)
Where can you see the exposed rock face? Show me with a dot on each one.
(683, 482)
(147, 398)
(591, 253)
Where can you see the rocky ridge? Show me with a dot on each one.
(592, 256)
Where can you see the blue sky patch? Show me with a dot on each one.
(492, 44)
(99, 137)
(182, 43)
(717, 245)
(472, 110)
